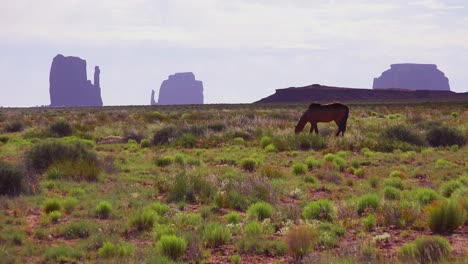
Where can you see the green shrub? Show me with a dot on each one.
(171, 246)
(254, 245)
(78, 171)
(307, 141)
(217, 127)
(160, 208)
(103, 210)
(270, 148)
(249, 164)
(319, 210)
(54, 216)
(404, 134)
(109, 250)
(445, 136)
(237, 201)
(444, 164)
(69, 204)
(233, 217)
(14, 126)
(4, 139)
(11, 179)
(166, 135)
(187, 140)
(62, 254)
(144, 220)
(425, 249)
(145, 143)
(236, 259)
(312, 163)
(299, 168)
(397, 174)
(446, 216)
(265, 141)
(300, 241)
(133, 135)
(260, 211)
(80, 229)
(54, 173)
(391, 193)
(369, 222)
(49, 152)
(449, 187)
(61, 128)
(329, 157)
(17, 238)
(51, 205)
(426, 196)
(190, 187)
(339, 163)
(329, 234)
(367, 201)
(216, 234)
(164, 161)
(253, 229)
(394, 182)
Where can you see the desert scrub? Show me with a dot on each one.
(187, 140)
(300, 240)
(54, 216)
(69, 204)
(62, 253)
(397, 174)
(446, 216)
(80, 229)
(426, 196)
(109, 250)
(51, 205)
(171, 246)
(160, 208)
(144, 220)
(11, 179)
(307, 141)
(391, 193)
(370, 222)
(449, 187)
(61, 128)
(216, 234)
(299, 168)
(444, 164)
(164, 161)
(253, 229)
(166, 135)
(319, 210)
(426, 249)
(366, 202)
(103, 210)
(445, 136)
(260, 211)
(248, 164)
(48, 152)
(404, 134)
(329, 234)
(190, 187)
(312, 163)
(145, 143)
(14, 126)
(265, 141)
(394, 182)
(233, 217)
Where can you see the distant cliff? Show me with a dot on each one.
(413, 76)
(69, 84)
(320, 93)
(180, 89)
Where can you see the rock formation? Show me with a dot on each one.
(413, 77)
(69, 84)
(179, 89)
(153, 102)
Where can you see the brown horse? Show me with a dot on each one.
(324, 113)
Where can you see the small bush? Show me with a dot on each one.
(445, 136)
(61, 128)
(145, 143)
(160, 208)
(299, 168)
(265, 141)
(426, 196)
(187, 141)
(403, 133)
(308, 141)
(446, 216)
(166, 135)
(260, 211)
(4, 139)
(391, 193)
(425, 249)
(397, 174)
(312, 163)
(51, 205)
(11, 179)
(69, 204)
(329, 234)
(133, 134)
(144, 220)
(78, 170)
(103, 210)
(249, 164)
(217, 127)
(233, 217)
(109, 250)
(54, 216)
(236, 259)
(339, 163)
(164, 161)
(394, 182)
(444, 164)
(14, 126)
(216, 234)
(253, 229)
(171, 246)
(369, 222)
(319, 210)
(449, 187)
(62, 254)
(367, 201)
(270, 148)
(81, 229)
(300, 241)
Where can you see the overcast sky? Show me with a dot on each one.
(242, 50)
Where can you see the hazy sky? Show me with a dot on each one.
(242, 50)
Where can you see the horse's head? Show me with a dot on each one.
(298, 129)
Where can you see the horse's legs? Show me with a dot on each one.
(338, 130)
(315, 128)
(311, 127)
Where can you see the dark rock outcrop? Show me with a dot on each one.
(320, 93)
(413, 77)
(179, 89)
(69, 84)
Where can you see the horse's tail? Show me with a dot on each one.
(344, 120)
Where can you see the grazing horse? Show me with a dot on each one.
(324, 113)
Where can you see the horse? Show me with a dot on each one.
(324, 113)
